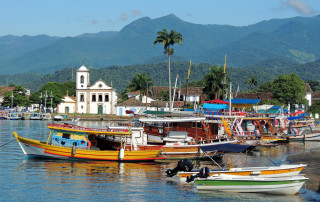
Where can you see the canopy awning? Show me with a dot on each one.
(214, 107)
(216, 101)
(228, 147)
(294, 117)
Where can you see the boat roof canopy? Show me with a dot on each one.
(225, 148)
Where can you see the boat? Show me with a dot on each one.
(58, 117)
(3, 115)
(265, 171)
(303, 133)
(176, 146)
(14, 116)
(46, 116)
(181, 135)
(248, 184)
(35, 116)
(26, 115)
(81, 144)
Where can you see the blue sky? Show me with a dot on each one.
(75, 17)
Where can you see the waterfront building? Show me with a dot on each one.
(98, 98)
(68, 105)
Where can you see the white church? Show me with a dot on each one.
(98, 98)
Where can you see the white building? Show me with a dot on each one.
(99, 98)
(130, 106)
(68, 105)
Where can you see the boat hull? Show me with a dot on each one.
(307, 137)
(34, 148)
(272, 171)
(282, 186)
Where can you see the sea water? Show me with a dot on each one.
(23, 179)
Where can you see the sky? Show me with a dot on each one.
(74, 17)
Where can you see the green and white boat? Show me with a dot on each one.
(271, 185)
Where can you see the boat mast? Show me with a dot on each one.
(224, 82)
(185, 97)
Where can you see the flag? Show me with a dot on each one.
(189, 70)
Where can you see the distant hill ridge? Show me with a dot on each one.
(296, 39)
(120, 76)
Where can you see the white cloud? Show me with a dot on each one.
(94, 21)
(124, 17)
(300, 7)
(135, 13)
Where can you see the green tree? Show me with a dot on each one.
(289, 89)
(140, 82)
(314, 85)
(315, 107)
(213, 82)
(19, 97)
(168, 39)
(58, 90)
(266, 87)
(252, 81)
(163, 95)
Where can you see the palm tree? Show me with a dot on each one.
(168, 39)
(213, 82)
(140, 82)
(252, 81)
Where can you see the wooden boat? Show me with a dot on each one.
(81, 144)
(173, 147)
(305, 136)
(304, 133)
(227, 183)
(181, 136)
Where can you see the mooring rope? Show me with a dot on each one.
(6, 143)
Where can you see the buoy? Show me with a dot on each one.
(121, 154)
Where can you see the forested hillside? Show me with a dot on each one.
(295, 39)
(120, 76)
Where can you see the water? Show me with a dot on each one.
(24, 179)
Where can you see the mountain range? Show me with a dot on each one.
(292, 39)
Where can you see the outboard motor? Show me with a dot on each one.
(203, 173)
(184, 165)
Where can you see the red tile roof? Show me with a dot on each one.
(3, 89)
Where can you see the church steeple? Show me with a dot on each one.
(83, 78)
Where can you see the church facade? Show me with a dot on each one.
(98, 98)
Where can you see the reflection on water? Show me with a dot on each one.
(51, 180)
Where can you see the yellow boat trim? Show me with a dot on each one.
(91, 131)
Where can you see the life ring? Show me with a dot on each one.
(94, 143)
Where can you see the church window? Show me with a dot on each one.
(100, 98)
(82, 79)
(93, 98)
(81, 98)
(106, 98)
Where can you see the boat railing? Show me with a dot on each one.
(225, 114)
(74, 127)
